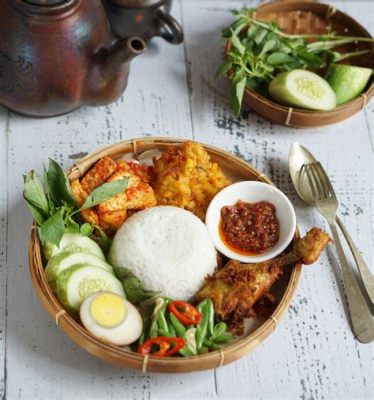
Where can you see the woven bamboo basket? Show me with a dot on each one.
(303, 17)
(237, 170)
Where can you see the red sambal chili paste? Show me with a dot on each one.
(249, 228)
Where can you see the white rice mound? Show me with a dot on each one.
(169, 249)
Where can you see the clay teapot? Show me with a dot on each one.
(56, 55)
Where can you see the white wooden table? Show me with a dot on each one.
(312, 354)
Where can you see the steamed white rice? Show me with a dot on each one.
(169, 249)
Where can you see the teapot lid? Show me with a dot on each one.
(45, 2)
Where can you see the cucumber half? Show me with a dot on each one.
(65, 260)
(78, 282)
(303, 89)
(347, 81)
(74, 242)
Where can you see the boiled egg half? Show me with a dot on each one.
(110, 317)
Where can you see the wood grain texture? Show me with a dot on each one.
(171, 92)
(3, 242)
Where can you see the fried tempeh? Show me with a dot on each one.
(98, 174)
(138, 195)
(235, 288)
(80, 196)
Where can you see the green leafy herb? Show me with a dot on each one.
(134, 289)
(104, 192)
(260, 50)
(52, 229)
(54, 208)
(33, 192)
(58, 186)
(86, 229)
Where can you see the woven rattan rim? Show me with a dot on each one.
(127, 358)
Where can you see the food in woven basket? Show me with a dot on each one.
(257, 51)
(160, 255)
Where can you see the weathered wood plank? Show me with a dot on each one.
(3, 242)
(292, 363)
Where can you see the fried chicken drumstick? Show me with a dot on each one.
(235, 288)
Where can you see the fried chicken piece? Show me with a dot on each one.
(186, 177)
(138, 195)
(235, 288)
(98, 174)
(80, 196)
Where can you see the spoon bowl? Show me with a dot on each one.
(298, 157)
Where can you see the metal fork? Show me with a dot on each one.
(327, 204)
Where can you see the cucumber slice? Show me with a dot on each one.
(78, 282)
(74, 242)
(64, 260)
(347, 81)
(303, 89)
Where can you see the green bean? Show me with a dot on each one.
(172, 330)
(199, 336)
(186, 352)
(203, 350)
(218, 330)
(215, 346)
(178, 326)
(223, 338)
(210, 312)
(210, 345)
(161, 320)
(141, 340)
(205, 310)
(153, 330)
(162, 332)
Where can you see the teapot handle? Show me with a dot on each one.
(169, 28)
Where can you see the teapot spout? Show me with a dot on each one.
(108, 78)
(123, 51)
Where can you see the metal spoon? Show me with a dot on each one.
(299, 156)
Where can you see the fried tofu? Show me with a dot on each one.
(111, 214)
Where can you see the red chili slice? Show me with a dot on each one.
(185, 312)
(161, 346)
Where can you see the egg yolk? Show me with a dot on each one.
(108, 310)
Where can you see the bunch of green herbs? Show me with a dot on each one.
(259, 50)
(54, 208)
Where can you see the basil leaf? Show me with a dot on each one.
(36, 213)
(252, 31)
(52, 229)
(269, 45)
(237, 44)
(33, 193)
(223, 69)
(278, 57)
(311, 59)
(86, 229)
(260, 36)
(237, 92)
(133, 287)
(72, 225)
(105, 192)
(58, 185)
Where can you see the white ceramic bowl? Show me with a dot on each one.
(252, 192)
